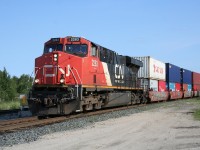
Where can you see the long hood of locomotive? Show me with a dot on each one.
(106, 75)
(119, 75)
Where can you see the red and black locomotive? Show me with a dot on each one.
(75, 74)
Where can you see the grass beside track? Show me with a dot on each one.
(10, 105)
(196, 114)
(197, 111)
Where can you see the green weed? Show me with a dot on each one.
(197, 114)
(8, 105)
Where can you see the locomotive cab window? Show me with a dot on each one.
(107, 55)
(103, 55)
(77, 49)
(94, 51)
(53, 47)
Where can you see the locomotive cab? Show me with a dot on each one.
(58, 76)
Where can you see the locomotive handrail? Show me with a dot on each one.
(77, 74)
(79, 79)
(35, 75)
(75, 80)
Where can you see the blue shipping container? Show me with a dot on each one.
(189, 87)
(173, 73)
(186, 76)
(171, 86)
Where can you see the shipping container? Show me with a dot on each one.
(161, 86)
(185, 87)
(171, 86)
(178, 86)
(152, 68)
(189, 87)
(153, 84)
(196, 87)
(195, 78)
(148, 84)
(173, 73)
(186, 76)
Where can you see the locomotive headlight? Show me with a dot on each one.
(55, 57)
(62, 80)
(37, 80)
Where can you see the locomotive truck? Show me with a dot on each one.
(75, 74)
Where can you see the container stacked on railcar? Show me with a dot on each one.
(196, 83)
(186, 83)
(152, 78)
(173, 78)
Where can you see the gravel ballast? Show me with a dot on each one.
(29, 135)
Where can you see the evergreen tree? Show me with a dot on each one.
(10, 88)
(24, 83)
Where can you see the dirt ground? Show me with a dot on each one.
(158, 129)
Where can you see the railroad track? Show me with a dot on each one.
(3, 112)
(30, 122)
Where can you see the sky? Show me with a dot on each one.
(167, 30)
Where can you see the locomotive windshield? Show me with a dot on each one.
(53, 47)
(77, 49)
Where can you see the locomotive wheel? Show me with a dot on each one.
(134, 99)
(89, 106)
(98, 105)
(144, 99)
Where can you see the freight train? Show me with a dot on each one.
(75, 75)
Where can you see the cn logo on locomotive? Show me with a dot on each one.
(119, 71)
(67, 73)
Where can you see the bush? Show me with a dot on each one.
(8, 105)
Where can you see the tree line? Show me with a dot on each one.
(12, 87)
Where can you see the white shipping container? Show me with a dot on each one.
(152, 68)
(153, 84)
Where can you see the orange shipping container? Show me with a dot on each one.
(195, 78)
(185, 87)
(196, 87)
